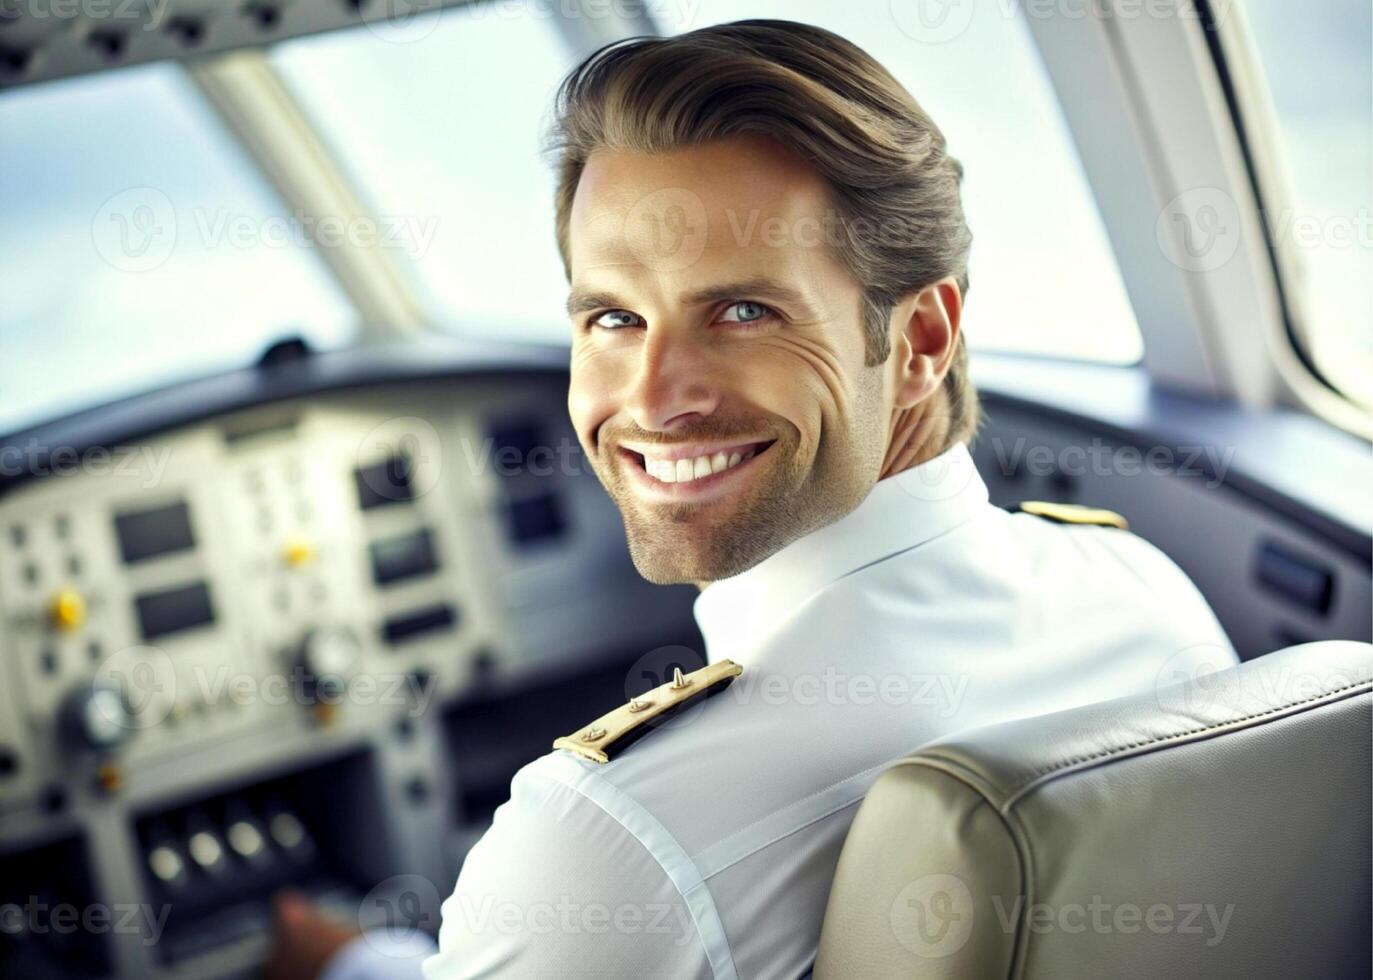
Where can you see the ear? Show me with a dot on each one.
(926, 326)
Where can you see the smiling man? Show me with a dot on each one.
(767, 256)
(725, 387)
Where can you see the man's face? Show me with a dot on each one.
(718, 378)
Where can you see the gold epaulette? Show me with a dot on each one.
(1074, 514)
(626, 724)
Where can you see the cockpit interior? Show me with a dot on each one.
(301, 558)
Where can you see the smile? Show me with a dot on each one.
(688, 469)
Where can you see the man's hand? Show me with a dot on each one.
(304, 939)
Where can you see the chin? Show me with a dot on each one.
(672, 554)
(665, 565)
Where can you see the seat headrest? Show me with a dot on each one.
(1219, 826)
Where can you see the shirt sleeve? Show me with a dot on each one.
(560, 886)
(377, 956)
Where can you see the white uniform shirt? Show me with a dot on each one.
(707, 848)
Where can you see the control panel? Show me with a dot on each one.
(237, 578)
(291, 646)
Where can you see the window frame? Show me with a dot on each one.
(1152, 108)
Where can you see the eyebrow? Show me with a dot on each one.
(760, 287)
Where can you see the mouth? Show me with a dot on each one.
(691, 471)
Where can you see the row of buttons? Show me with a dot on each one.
(209, 849)
(50, 662)
(33, 574)
(256, 485)
(61, 525)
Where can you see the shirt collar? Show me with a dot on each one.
(899, 513)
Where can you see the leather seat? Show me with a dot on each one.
(1214, 828)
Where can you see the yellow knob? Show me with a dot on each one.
(298, 551)
(67, 610)
(109, 778)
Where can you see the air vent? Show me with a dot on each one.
(1299, 580)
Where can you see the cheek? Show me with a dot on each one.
(812, 380)
(593, 393)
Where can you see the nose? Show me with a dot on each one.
(674, 384)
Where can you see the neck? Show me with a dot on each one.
(917, 434)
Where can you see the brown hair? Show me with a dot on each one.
(894, 185)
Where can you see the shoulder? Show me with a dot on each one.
(574, 879)
(584, 870)
(1128, 566)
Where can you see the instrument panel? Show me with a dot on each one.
(232, 578)
(237, 654)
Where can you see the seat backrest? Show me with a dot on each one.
(1214, 828)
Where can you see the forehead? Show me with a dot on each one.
(744, 207)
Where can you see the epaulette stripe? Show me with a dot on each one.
(628, 723)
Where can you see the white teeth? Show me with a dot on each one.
(686, 470)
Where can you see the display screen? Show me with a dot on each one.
(387, 482)
(147, 534)
(537, 518)
(403, 556)
(400, 628)
(173, 610)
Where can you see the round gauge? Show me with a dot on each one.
(97, 717)
(329, 656)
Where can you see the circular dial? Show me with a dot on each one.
(97, 717)
(329, 656)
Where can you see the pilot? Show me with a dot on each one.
(767, 255)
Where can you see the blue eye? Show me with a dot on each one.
(617, 319)
(745, 311)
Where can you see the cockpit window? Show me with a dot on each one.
(436, 124)
(141, 246)
(1043, 277)
(439, 125)
(1324, 120)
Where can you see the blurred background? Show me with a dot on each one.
(433, 118)
(299, 560)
